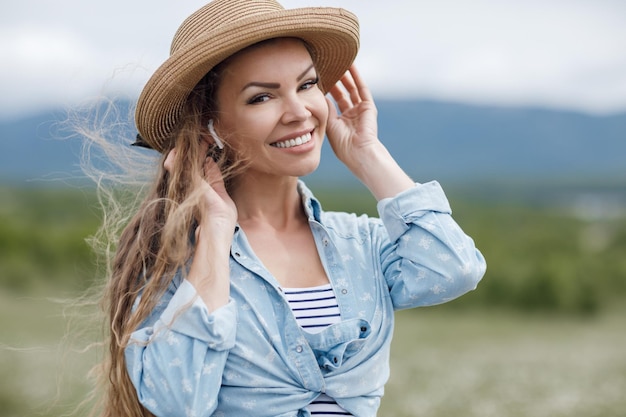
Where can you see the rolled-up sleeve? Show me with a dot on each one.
(427, 259)
(177, 363)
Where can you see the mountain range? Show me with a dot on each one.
(452, 142)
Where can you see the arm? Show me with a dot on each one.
(176, 358)
(176, 362)
(209, 272)
(426, 257)
(353, 136)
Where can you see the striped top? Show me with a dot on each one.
(316, 308)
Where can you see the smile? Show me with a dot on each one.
(290, 143)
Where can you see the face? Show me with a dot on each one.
(271, 109)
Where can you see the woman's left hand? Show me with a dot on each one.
(353, 135)
(356, 127)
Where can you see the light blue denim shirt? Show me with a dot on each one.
(250, 357)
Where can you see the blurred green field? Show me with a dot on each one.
(502, 364)
(542, 336)
(445, 362)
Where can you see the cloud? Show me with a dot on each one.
(558, 53)
(552, 53)
(44, 66)
(66, 52)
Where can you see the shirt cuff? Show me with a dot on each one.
(398, 212)
(187, 314)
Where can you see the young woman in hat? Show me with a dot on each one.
(232, 292)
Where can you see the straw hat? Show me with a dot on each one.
(224, 27)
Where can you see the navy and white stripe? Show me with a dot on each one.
(316, 308)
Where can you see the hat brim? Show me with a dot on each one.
(332, 34)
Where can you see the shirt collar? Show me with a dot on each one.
(312, 206)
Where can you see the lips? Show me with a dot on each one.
(290, 143)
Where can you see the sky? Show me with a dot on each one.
(566, 54)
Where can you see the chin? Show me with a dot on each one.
(309, 168)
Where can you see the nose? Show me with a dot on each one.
(295, 109)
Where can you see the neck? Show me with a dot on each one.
(274, 202)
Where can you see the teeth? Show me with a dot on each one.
(293, 142)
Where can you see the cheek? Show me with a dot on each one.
(321, 110)
(248, 131)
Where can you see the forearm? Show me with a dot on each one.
(378, 171)
(209, 272)
(428, 259)
(167, 382)
(163, 360)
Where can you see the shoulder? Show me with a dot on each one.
(339, 223)
(351, 225)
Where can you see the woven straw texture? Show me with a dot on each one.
(224, 27)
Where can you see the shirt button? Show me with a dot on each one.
(325, 242)
(237, 254)
(363, 329)
(344, 291)
(299, 349)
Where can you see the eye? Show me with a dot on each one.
(259, 98)
(310, 84)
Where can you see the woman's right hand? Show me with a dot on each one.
(209, 271)
(217, 211)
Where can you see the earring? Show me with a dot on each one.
(216, 138)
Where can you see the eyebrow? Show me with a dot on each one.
(275, 85)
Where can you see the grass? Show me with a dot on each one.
(450, 363)
(43, 367)
(555, 348)
(445, 362)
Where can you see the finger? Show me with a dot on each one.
(213, 176)
(340, 97)
(351, 87)
(359, 82)
(204, 147)
(168, 164)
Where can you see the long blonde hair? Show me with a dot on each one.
(154, 243)
(143, 251)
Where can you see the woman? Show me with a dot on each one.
(232, 292)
